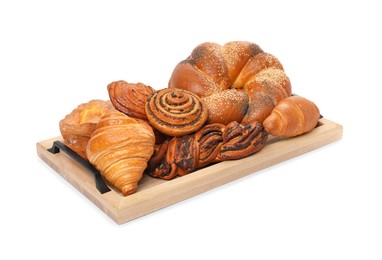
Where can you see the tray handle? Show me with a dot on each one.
(100, 183)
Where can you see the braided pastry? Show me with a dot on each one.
(175, 112)
(212, 69)
(120, 148)
(212, 143)
(129, 98)
(241, 140)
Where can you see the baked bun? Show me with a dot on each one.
(212, 68)
(77, 127)
(129, 98)
(175, 112)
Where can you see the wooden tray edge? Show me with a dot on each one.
(123, 209)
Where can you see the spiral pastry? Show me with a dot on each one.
(175, 112)
(129, 98)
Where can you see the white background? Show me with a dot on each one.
(326, 204)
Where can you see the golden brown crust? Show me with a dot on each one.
(186, 76)
(236, 55)
(212, 68)
(207, 58)
(77, 126)
(292, 116)
(176, 112)
(266, 89)
(260, 106)
(254, 65)
(226, 106)
(120, 148)
(129, 98)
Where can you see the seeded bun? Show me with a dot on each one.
(218, 73)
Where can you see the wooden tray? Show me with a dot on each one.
(154, 194)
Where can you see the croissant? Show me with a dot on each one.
(77, 126)
(292, 116)
(175, 112)
(212, 143)
(212, 69)
(120, 148)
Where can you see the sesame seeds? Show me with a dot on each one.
(226, 96)
(272, 75)
(219, 104)
(218, 69)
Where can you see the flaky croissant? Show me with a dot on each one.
(212, 143)
(292, 116)
(120, 148)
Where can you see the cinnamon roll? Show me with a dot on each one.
(175, 112)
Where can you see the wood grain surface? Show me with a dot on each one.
(154, 194)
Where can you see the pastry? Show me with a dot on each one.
(212, 143)
(120, 148)
(129, 98)
(212, 68)
(241, 140)
(77, 126)
(292, 116)
(266, 89)
(175, 112)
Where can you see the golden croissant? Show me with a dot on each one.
(120, 148)
(292, 116)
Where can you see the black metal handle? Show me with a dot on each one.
(100, 183)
